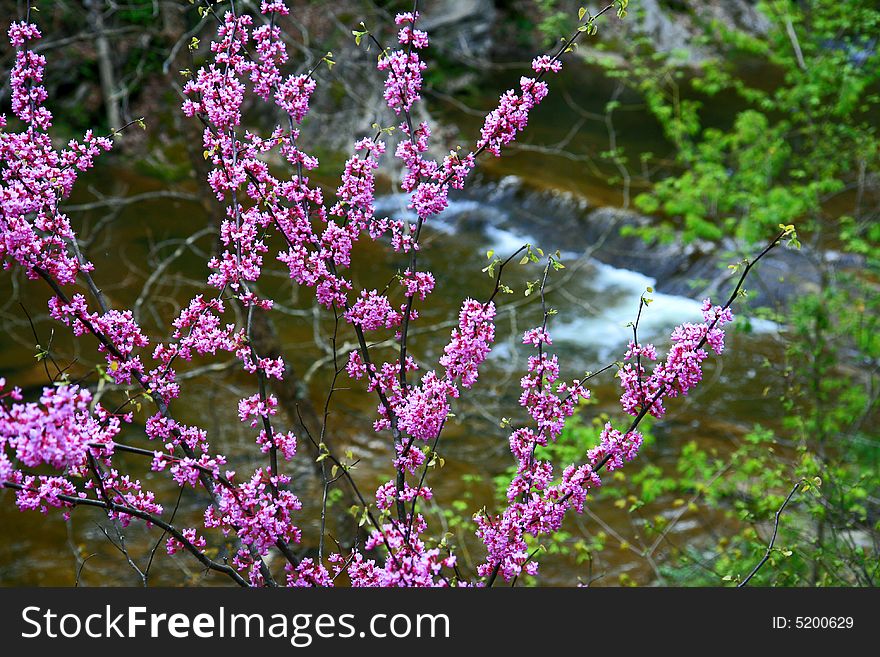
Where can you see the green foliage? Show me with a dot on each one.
(139, 12)
(555, 22)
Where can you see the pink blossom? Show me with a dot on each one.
(423, 411)
(284, 442)
(274, 6)
(421, 283)
(404, 82)
(172, 545)
(546, 63)
(258, 515)
(21, 32)
(307, 573)
(536, 337)
(35, 177)
(254, 408)
(42, 493)
(59, 431)
(681, 370)
(410, 564)
(470, 343)
(372, 311)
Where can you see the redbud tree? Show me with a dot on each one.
(61, 450)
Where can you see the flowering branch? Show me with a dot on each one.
(259, 511)
(541, 511)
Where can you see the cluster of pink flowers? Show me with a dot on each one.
(615, 448)
(121, 490)
(681, 370)
(423, 177)
(284, 442)
(419, 413)
(60, 430)
(536, 506)
(409, 562)
(404, 79)
(118, 328)
(36, 236)
(255, 407)
(421, 410)
(26, 78)
(216, 94)
(172, 545)
(372, 311)
(314, 259)
(546, 63)
(274, 7)
(308, 574)
(34, 176)
(65, 431)
(162, 428)
(470, 343)
(421, 283)
(387, 495)
(44, 492)
(503, 124)
(404, 67)
(259, 511)
(271, 54)
(198, 330)
(427, 181)
(21, 32)
(548, 408)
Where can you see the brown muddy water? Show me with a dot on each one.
(499, 212)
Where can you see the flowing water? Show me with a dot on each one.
(596, 296)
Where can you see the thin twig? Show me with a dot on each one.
(769, 551)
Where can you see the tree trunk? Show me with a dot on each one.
(105, 64)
